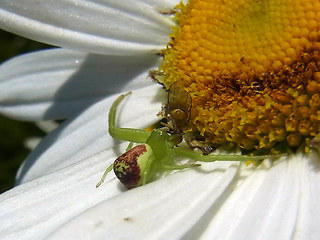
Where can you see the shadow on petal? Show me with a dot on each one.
(90, 83)
(89, 86)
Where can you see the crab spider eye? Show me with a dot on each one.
(132, 168)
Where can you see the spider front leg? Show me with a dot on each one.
(131, 168)
(197, 156)
(126, 134)
(104, 175)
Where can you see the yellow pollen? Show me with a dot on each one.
(251, 68)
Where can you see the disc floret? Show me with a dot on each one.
(252, 69)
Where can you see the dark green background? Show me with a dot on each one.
(14, 133)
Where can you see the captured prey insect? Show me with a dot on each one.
(178, 109)
(155, 154)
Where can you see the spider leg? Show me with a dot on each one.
(126, 134)
(197, 156)
(104, 175)
(130, 145)
(180, 167)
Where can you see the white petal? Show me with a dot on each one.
(52, 204)
(166, 209)
(35, 209)
(264, 206)
(32, 142)
(309, 214)
(66, 203)
(107, 27)
(47, 126)
(88, 134)
(164, 4)
(60, 83)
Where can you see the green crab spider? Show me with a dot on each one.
(140, 164)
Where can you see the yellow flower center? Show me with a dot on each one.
(251, 68)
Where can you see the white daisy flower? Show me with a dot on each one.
(108, 48)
